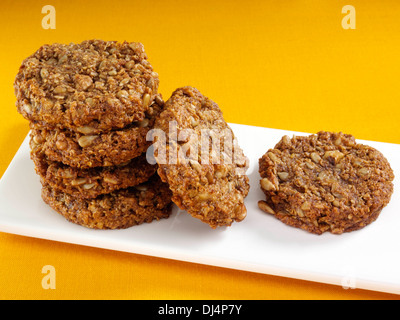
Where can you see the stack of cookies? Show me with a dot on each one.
(90, 107)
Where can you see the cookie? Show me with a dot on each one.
(92, 182)
(206, 179)
(325, 182)
(100, 85)
(94, 150)
(117, 210)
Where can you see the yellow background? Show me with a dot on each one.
(277, 64)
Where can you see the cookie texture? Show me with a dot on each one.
(92, 182)
(117, 210)
(325, 182)
(96, 84)
(90, 106)
(93, 150)
(202, 163)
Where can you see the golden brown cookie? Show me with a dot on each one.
(92, 182)
(96, 84)
(207, 177)
(325, 182)
(120, 209)
(94, 150)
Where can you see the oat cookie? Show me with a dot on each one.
(213, 193)
(92, 182)
(325, 182)
(120, 209)
(93, 150)
(101, 85)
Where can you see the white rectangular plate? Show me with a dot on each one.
(368, 258)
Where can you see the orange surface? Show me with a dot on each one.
(277, 64)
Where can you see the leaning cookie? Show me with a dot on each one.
(207, 180)
(92, 182)
(87, 150)
(325, 182)
(118, 210)
(101, 85)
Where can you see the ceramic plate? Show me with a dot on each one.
(368, 258)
